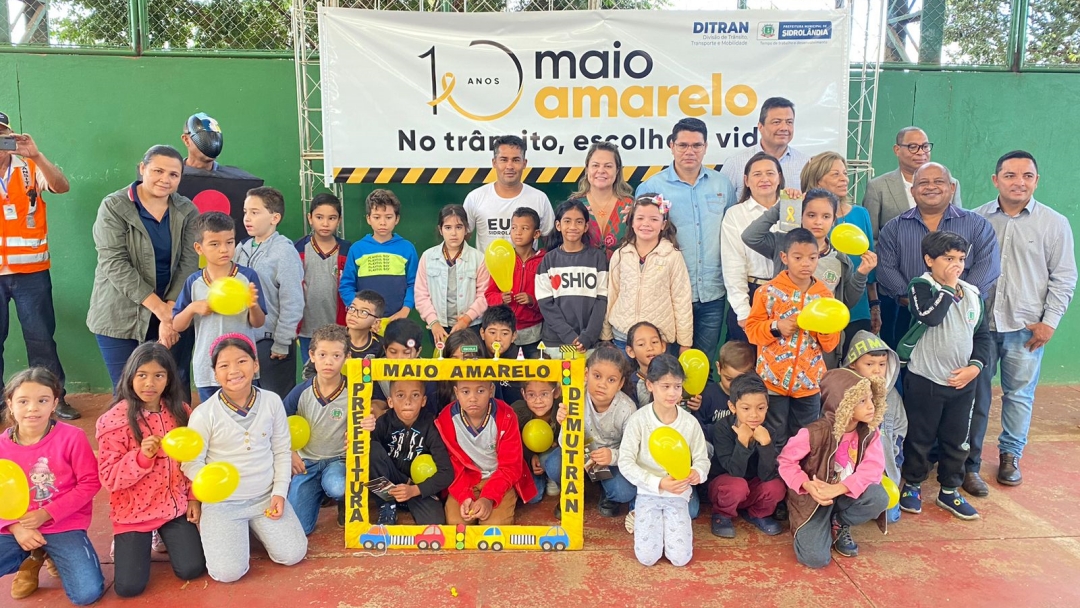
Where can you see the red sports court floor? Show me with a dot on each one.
(1025, 551)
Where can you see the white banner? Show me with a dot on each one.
(417, 97)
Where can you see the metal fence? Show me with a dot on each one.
(925, 34)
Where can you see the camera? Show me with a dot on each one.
(7, 143)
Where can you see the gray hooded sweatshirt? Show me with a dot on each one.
(282, 276)
(894, 426)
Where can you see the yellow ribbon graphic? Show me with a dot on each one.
(448, 82)
(790, 214)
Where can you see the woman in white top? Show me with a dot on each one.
(744, 269)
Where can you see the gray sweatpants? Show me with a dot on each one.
(662, 527)
(813, 541)
(224, 529)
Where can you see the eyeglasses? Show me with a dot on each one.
(682, 146)
(363, 314)
(541, 396)
(914, 148)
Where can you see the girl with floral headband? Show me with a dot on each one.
(246, 427)
(648, 279)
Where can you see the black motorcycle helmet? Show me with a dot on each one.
(206, 134)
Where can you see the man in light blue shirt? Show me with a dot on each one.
(1038, 278)
(698, 197)
(776, 129)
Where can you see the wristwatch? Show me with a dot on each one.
(775, 330)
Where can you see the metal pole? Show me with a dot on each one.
(932, 31)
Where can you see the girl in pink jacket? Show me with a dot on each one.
(147, 490)
(59, 468)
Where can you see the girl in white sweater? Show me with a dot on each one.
(662, 523)
(247, 427)
(648, 279)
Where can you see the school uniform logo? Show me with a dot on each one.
(337, 413)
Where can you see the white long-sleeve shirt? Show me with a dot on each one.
(737, 261)
(262, 452)
(637, 464)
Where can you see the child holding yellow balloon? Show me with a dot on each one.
(398, 438)
(535, 413)
(318, 465)
(222, 298)
(244, 428)
(48, 479)
(451, 278)
(515, 285)
(833, 469)
(664, 469)
(790, 357)
(147, 491)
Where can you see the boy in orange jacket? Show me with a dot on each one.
(790, 359)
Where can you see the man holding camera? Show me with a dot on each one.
(25, 174)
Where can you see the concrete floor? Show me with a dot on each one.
(1025, 551)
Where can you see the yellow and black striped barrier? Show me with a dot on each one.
(478, 175)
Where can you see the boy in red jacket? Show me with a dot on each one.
(481, 434)
(524, 230)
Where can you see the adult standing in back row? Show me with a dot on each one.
(776, 129)
(25, 174)
(491, 206)
(1038, 278)
(698, 197)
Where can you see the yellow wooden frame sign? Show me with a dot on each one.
(360, 533)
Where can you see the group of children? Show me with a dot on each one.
(778, 433)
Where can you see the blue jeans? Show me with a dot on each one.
(551, 461)
(619, 489)
(306, 491)
(1019, 377)
(708, 320)
(75, 559)
(32, 293)
(205, 392)
(116, 351)
(305, 344)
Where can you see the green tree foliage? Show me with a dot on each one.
(977, 32)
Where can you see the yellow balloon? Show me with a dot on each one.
(383, 322)
(14, 491)
(824, 316)
(499, 259)
(228, 296)
(849, 239)
(215, 482)
(696, 367)
(891, 490)
(422, 468)
(182, 444)
(299, 431)
(670, 450)
(537, 436)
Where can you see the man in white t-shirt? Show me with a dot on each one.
(491, 206)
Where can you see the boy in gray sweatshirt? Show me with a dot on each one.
(281, 274)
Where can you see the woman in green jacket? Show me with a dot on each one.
(144, 235)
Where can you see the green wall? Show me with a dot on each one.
(95, 116)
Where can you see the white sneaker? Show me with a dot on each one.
(552, 488)
(629, 522)
(157, 544)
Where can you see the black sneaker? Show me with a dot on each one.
(954, 503)
(341, 513)
(64, 411)
(843, 543)
(911, 499)
(388, 514)
(608, 508)
(781, 513)
(722, 526)
(558, 512)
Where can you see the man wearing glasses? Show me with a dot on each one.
(698, 197)
(889, 195)
(776, 129)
